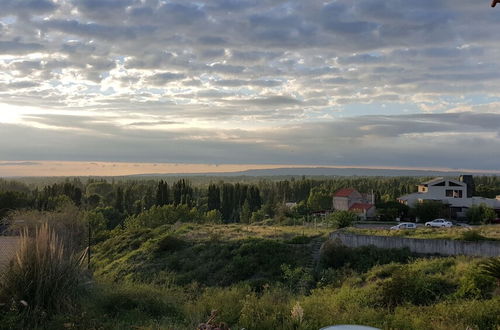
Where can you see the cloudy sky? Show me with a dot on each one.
(347, 82)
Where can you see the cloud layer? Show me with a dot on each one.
(364, 82)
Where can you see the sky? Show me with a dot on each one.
(371, 83)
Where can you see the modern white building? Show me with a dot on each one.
(458, 194)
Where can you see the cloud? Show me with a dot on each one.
(130, 66)
(165, 78)
(23, 8)
(376, 140)
(17, 47)
(19, 163)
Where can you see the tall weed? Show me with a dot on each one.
(45, 277)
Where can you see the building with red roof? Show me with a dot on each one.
(349, 199)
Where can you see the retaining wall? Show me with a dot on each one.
(421, 246)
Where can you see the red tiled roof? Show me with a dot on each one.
(346, 192)
(361, 206)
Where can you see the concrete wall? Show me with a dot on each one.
(422, 246)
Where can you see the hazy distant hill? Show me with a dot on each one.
(321, 171)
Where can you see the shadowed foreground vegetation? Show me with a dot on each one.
(174, 276)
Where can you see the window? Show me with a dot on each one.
(454, 193)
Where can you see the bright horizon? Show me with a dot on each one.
(364, 83)
(70, 169)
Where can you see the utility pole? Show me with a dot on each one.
(88, 246)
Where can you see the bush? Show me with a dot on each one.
(125, 300)
(298, 279)
(480, 214)
(472, 236)
(342, 219)
(360, 259)
(45, 277)
(413, 287)
(299, 240)
(475, 285)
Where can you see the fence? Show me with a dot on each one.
(421, 246)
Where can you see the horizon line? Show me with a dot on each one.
(35, 168)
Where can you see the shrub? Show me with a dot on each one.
(227, 301)
(472, 236)
(413, 287)
(491, 268)
(124, 300)
(46, 276)
(342, 219)
(360, 259)
(475, 285)
(298, 279)
(480, 214)
(299, 240)
(270, 310)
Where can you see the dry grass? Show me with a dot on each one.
(8, 249)
(491, 232)
(45, 275)
(232, 232)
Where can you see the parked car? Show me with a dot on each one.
(404, 225)
(497, 221)
(440, 223)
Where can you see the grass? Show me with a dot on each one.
(44, 278)
(8, 248)
(388, 296)
(232, 232)
(210, 255)
(488, 232)
(175, 276)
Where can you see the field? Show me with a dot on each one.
(263, 277)
(487, 232)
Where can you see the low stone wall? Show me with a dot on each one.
(8, 249)
(421, 246)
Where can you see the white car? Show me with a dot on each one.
(404, 225)
(440, 223)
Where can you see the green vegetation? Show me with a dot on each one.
(480, 214)
(342, 219)
(166, 254)
(45, 278)
(487, 232)
(259, 277)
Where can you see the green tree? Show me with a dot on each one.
(342, 219)
(148, 200)
(119, 200)
(162, 193)
(319, 200)
(429, 210)
(227, 202)
(246, 212)
(213, 216)
(482, 213)
(213, 198)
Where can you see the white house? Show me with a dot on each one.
(458, 194)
